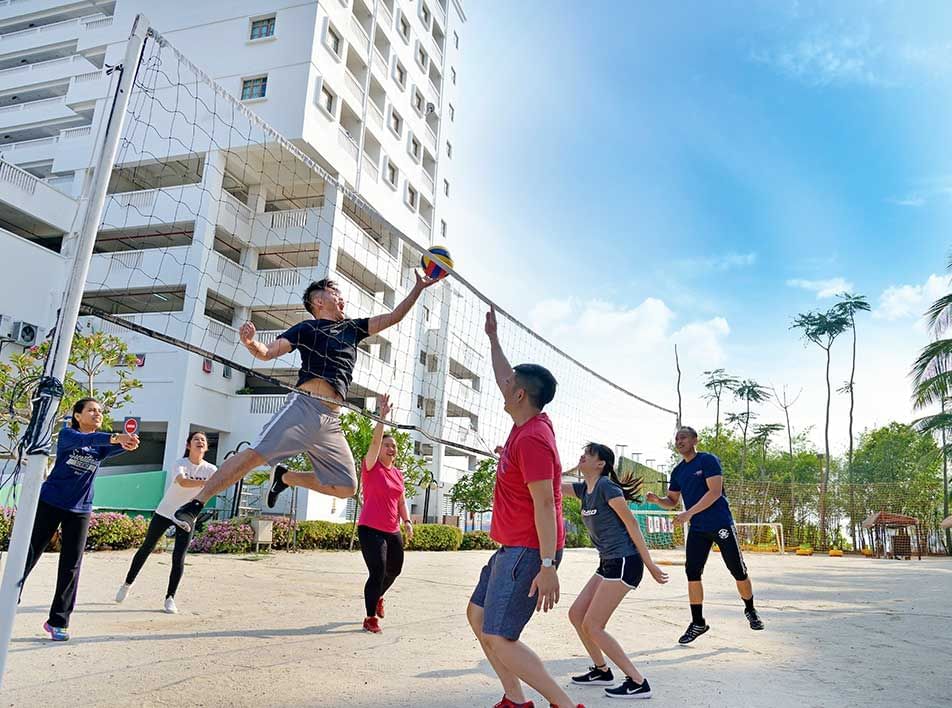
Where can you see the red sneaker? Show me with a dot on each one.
(380, 607)
(371, 625)
(506, 703)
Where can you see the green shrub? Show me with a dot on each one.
(435, 537)
(111, 531)
(234, 536)
(477, 541)
(325, 535)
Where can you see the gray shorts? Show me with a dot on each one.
(305, 424)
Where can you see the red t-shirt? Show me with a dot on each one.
(530, 454)
(383, 492)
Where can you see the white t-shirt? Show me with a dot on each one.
(176, 494)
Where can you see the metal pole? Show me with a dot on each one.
(50, 391)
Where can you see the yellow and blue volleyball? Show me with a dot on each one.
(435, 262)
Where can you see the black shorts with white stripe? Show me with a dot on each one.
(628, 569)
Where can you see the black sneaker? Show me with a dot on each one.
(630, 689)
(693, 632)
(754, 619)
(595, 677)
(184, 517)
(277, 485)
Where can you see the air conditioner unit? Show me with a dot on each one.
(24, 334)
(430, 108)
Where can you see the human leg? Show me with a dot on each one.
(607, 597)
(394, 560)
(179, 551)
(373, 548)
(75, 528)
(157, 526)
(697, 549)
(734, 560)
(577, 616)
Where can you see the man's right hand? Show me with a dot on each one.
(545, 587)
(247, 333)
(491, 328)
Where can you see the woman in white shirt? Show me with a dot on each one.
(190, 474)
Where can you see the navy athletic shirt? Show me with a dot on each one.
(78, 455)
(328, 350)
(690, 478)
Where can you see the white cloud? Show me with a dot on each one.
(904, 301)
(827, 57)
(723, 262)
(913, 200)
(823, 288)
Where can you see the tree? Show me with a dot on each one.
(761, 438)
(92, 354)
(785, 405)
(849, 305)
(474, 491)
(822, 329)
(749, 391)
(717, 382)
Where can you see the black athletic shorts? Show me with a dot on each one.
(698, 547)
(628, 569)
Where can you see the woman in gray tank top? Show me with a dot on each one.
(623, 556)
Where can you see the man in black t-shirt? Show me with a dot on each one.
(308, 424)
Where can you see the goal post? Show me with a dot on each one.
(761, 537)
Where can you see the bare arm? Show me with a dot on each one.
(715, 487)
(620, 507)
(259, 350)
(373, 452)
(378, 323)
(671, 501)
(501, 367)
(547, 580)
(189, 483)
(568, 490)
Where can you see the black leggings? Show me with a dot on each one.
(74, 526)
(698, 547)
(383, 554)
(158, 526)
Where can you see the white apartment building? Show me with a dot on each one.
(365, 88)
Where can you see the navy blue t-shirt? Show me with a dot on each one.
(78, 455)
(328, 350)
(690, 478)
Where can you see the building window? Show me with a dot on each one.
(456, 39)
(328, 100)
(449, 149)
(412, 197)
(414, 147)
(422, 361)
(400, 74)
(333, 41)
(254, 88)
(446, 188)
(391, 173)
(396, 122)
(453, 74)
(425, 14)
(404, 27)
(419, 102)
(442, 228)
(421, 57)
(426, 313)
(452, 113)
(262, 28)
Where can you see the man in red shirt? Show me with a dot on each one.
(521, 577)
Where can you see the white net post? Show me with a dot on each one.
(49, 393)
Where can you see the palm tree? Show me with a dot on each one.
(761, 437)
(822, 329)
(717, 382)
(749, 391)
(849, 305)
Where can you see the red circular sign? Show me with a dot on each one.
(131, 426)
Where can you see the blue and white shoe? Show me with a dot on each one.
(57, 634)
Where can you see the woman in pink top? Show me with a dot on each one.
(378, 527)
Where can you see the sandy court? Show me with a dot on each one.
(284, 630)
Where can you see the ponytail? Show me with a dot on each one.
(630, 483)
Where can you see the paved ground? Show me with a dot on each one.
(284, 630)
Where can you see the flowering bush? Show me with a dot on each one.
(235, 536)
(282, 530)
(113, 531)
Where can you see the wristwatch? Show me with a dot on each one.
(548, 563)
(113, 438)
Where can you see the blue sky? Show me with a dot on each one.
(698, 173)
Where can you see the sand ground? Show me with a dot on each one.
(284, 630)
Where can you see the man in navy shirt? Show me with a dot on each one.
(699, 480)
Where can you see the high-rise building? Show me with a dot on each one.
(365, 88)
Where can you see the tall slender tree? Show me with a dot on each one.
(822, 329)
(785, 405)
(849, 305)
(717, 383)
(749, 391)
(761, 437)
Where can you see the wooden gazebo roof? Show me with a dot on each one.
(888, 520)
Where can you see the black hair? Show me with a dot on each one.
(315, 287)
(79, 407)
(630, 485)
(687, 429)
(188, 440)
(538, 382)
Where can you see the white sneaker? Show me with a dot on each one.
(122, 592)
(170, 607)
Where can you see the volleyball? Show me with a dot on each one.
(435, 262)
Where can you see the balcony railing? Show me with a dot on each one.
(379, 61)
(36, 142)
(425, 229)
(386, 17)
(228, 268)
(355, 293)
(231, 204)
(36, 66)
(428, 181)
(376, 115)
(361, 33)
(285, 277)
(367, 239)
(71, 133)
(32, 104)
(222, 332)
(266, 404)
(354, 85)
(17, 177)
(347, 142)
(370, 169)
(287, 218)
(98, 23)
(127, 259)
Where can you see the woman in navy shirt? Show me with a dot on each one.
(623, 556)
(66, 503)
